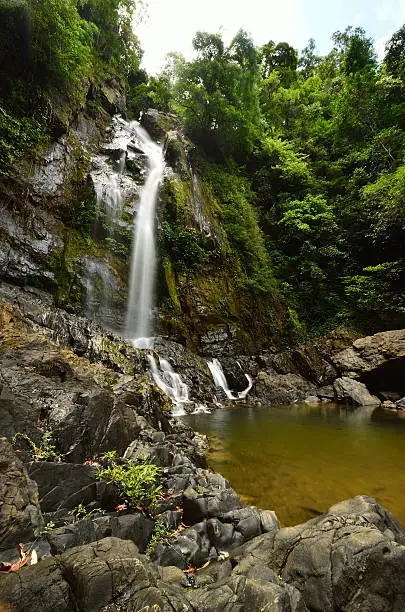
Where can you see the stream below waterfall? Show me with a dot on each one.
(299, 460)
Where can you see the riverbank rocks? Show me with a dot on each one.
(20, 514)
(352, 558)
(351, 391)
(378, 361)
(282, 388)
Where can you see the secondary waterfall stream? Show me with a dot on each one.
(139, 320)
(219, 377)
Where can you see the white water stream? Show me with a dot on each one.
(220, 381)
(170, 382)
(139, 319)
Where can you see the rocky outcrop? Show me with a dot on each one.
(350, 558)
(282, 388)
(20, 514)
(372, 352)
(349, 391)
(353, 557)
(378, 361)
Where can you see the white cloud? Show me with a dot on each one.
(384, 12)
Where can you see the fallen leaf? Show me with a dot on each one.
(121, 507)
(14, 567)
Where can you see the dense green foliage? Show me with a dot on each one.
(55, 49)
(306, 158)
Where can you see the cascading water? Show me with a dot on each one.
(139, 319)
(108, 194)
(220, 381)
(170, 383)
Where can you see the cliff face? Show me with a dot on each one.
(58, 233)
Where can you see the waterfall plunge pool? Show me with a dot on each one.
(299, 460)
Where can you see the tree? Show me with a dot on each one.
(308, 60)
(394, 59)
(281, 57)
(61, 43)
(216, 94)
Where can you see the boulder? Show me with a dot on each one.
(352, 558)
(349, 391)
(63, 485)
(378, 361)
(282, 388)
(400, 404)
(105, 575)
(156, 124)
(20, 514)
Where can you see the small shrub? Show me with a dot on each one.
(161, 531)
(139, 483)
(44, 452)
(49, 527)
(81, 513)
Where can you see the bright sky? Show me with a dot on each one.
(171, 24)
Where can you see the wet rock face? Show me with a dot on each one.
(26, 245)
(20, 514)
(192, 368)
(90, 408)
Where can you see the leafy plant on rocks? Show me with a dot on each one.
(44, 452)
(139, 483)
(161, 531)
(82, 512)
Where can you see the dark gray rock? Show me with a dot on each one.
(63, 485)
(216, 501)
(327, 392)
(135, 527)
(155, 124)
(282, 388)
(41, 587)
(20, 515)
(77, 534)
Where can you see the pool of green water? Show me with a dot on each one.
(299, 460)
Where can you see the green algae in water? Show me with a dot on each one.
(299, 460)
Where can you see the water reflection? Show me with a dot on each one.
(301, 459)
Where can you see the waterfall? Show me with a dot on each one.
(108, 194)
(170, 383)
(143, 260)
(220, 380)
